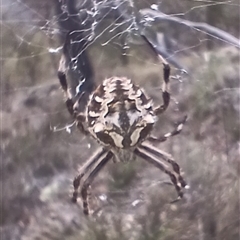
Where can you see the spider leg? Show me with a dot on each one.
(176, 131)
(102, 162)
(167, 158)
(70, 103)
(63, 81)
(153, 157)
(165, 87)
(166, 76)
(85, 169)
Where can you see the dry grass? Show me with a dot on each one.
(38, 164)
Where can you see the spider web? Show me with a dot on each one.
(115, 25)
(124, 20)
(32, 36)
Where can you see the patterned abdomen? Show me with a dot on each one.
(119, 114)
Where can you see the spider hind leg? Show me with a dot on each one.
(84, 190)
(153, 157)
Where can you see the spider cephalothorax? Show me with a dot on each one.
(120, 116)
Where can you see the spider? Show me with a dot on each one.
(120, 116)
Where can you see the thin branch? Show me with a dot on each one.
(203, 27)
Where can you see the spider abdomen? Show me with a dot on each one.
(119, 114)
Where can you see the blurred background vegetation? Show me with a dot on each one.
(130, 200)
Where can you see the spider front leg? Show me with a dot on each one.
(63, 82)
(166, 76)
(71, 104)
(165, 87)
